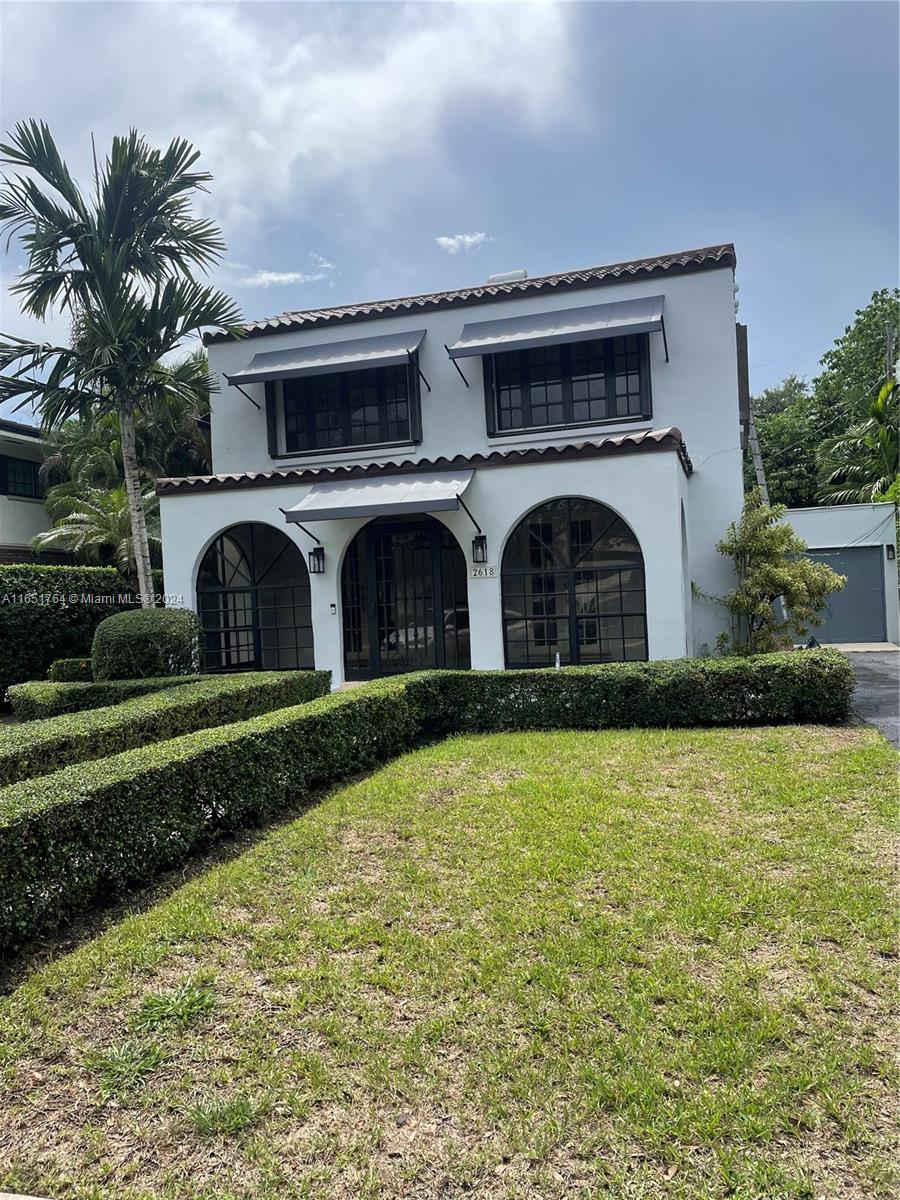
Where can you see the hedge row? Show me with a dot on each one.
(52, 612)
(70, 670)
(86, 832)
(44, 746)
(43, 699)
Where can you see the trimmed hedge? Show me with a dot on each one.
(43, 699)
(51, 612)
(146, 643)
(88, 831)
(70, 670)
(45, 746)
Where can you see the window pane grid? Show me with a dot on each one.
(349, 408)
(21, 477)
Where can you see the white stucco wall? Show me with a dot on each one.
(21, 517)
(695, 391)
(498, 497)
(840, 526)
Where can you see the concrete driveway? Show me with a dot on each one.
(877, 696)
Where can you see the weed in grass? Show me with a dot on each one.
(123, 1068)
(175, 1008)
(224, 1118)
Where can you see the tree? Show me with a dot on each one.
(97, 526)
(120, 262)
(857, 364)
(862, 465)
(770, 563)
(787, 420)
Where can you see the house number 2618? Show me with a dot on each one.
(484, 572)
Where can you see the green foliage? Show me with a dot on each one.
(123, 1068)
(226, 1116)
(70, 670)
(175, 1008)
(43, 699)
(67, 605)
(787, 421)
(862, 465)
(90, 830)
(147, 643)
(97, 528)
(857, 364)
(41, 746)
(770, 562)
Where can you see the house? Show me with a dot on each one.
(521, 472)
(22, 512)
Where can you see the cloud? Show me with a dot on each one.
(240, 275)
(455, 242)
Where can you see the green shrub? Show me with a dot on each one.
(147, 642)
(43, 699)
(40, 747)
(51, 612)
(70, 670)
(90, 830)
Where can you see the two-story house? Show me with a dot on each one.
(512, 474)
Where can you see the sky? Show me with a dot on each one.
(367, 150)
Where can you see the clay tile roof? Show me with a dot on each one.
(626, 443)
(679, 263)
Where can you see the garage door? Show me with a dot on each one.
(857, 613)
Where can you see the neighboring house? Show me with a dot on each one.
(22, 512)
(498, 475)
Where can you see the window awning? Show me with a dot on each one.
(356, 354)
(395, 495)
(561, 325)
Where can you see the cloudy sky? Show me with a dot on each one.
(365, 150)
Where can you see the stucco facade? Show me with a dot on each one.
(676, 507)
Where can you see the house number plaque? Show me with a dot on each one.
(483, 572)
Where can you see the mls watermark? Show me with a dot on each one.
(92, 599)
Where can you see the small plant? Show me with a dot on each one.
(780, 592)
(123, 1068)
(224, 1118)
(176, 1008)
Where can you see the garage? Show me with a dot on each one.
(857, 614)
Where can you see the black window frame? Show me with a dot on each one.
(569, 421)
(34, 489)
(303, 386)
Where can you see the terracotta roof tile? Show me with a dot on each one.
(646, 440)
(681, 262)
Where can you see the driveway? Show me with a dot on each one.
(877, 696)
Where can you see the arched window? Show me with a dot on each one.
(254, 603)
(573, 584)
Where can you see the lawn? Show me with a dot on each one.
(623, 965)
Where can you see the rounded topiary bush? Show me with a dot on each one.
(146, 643)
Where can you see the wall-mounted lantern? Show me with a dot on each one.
(317, 560)
(479, 548)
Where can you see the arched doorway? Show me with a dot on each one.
(404, 599)
(253, 601)
(573, 584)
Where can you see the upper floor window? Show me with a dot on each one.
(19, 477)
(580, 383)
(377, 406)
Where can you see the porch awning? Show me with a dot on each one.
(561, 325)
(388, 350)
(394, 495)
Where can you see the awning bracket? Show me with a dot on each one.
(414, 361)
(456, 364)
(308, 532)
(464, 507)
(243, 393)
(662, 321)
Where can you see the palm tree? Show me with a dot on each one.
(120, 262)
(862, 464)
(97, 527)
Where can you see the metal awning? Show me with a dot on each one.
(644, 315)
(387, 350)
(394, 495)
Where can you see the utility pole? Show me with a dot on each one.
(756, 456)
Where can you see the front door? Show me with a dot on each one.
(404, 600)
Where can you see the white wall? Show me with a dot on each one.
(21, 517)
(498, 498)
(839, 526)
(695, 391)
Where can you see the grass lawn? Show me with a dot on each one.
(639, 964)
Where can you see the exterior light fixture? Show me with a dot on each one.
(891, 553)
(317, 560)
(479, 548)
